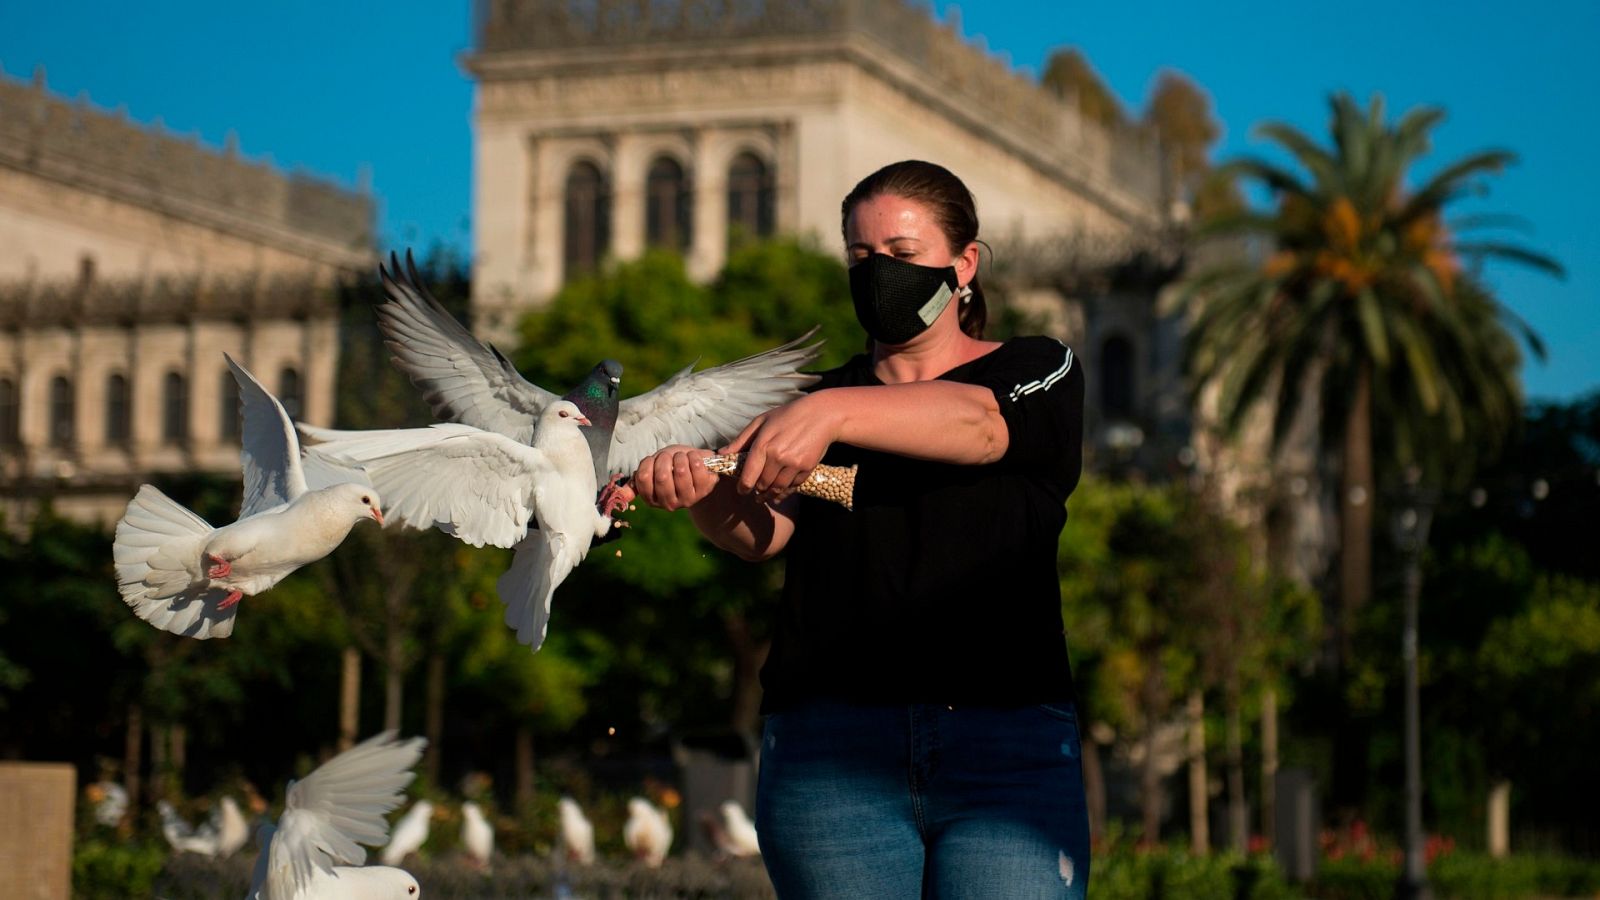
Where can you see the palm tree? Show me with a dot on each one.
(1363, 307)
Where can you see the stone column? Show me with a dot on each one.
(708, 249)
(628, 169)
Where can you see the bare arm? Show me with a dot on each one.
(941, 421)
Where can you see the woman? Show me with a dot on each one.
(921, 737)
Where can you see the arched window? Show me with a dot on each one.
(290, 394)
(587, 234)
(175, 408)
(750, 197)
(668, 206)
(228, 408)
(63, 412)
(1116, 379)
(118, 409)
(10, 414)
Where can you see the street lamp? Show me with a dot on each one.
(1413, 514)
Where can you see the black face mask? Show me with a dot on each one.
(896, 300)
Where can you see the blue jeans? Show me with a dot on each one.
(923, 801)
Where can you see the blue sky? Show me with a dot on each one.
(333, 87)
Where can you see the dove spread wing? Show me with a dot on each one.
(463, 379)
(270, 452)
(477, 485)
(709, 408)
(336, 809)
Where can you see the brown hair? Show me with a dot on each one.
(953, 208)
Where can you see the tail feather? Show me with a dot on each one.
(527, 587)
(157, 555)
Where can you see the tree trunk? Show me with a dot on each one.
(748, 656)
(524, 762)
(132, 763)
(1199, 824)
(1355, 520)
(1094, 787)
(349, 698)
(1238, 807)
(159, 788)
(435, 716)
(1150, 775)
(393, 677)
(1269, 763)
(178, 736)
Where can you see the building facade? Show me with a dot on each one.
(132, 259)
(606, 127)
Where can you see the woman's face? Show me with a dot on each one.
(906, 230)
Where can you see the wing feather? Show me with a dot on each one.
(710, 408)
(463, 379)
(269, 451)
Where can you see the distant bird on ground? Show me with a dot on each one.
(110, 801)
(484, 488)
(741, 832)
(577, 835)
(410, 833)
(314, 852)
(183, 576)
(221, 836)
(648, 832)
(468, 381)
(477, 835)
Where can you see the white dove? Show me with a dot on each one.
(577, 834)
(183, 576)
(647, 833)
(477, 835)
(410, 833)
(110, 802)
(222, 835)
(484, 488)
(741, 832)
(314, 852)
(465, 380)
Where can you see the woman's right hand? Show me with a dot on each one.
(674, 477)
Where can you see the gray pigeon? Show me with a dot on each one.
(471, 382)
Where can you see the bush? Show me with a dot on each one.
(114, 871)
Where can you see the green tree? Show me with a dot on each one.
(1181, 113)
(1363, 309)
(1069, 75)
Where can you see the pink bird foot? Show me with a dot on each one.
(220, 568)
(232, 600)
(614, 497)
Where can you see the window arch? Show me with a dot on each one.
(1116, 379)
(228, 407)
(750, 196)
(669, 205)
(119, 401)
(63, 412)
(587, 233)
(10, 413)
(290, 392)
(175, 408)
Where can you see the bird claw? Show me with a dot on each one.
(232, 600)
(615, 496)
(220, 567)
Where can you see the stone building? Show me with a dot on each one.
(608, 126)
(132, 257)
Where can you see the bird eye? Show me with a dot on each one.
(562, 414)
(411, 889)
(366, 499)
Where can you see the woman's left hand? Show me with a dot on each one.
(783, 445)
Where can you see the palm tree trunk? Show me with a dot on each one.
(132, 762)
(1199, 823)
(393, 677)
(434, 727)
(1238, 808)
(1094, 787)
(349, 698)
(1355, 520)
(1150, 775)
(524, 764)
(1269, 763)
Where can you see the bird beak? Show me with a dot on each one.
(377, 514)
(616, 381)
(583, 421)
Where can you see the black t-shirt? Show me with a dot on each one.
(941, 585)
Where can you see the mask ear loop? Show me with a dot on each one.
(965, 293)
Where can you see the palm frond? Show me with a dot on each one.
(1512, 253)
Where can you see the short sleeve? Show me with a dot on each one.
(1039, 389)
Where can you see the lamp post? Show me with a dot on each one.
(1413, 515)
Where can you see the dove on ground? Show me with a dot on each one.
(182, 575)
(410, 833)
(483, 488)
(477, 835)
(577, 834)
(469, 381)
(740, 831)
(648, 833)
(314, 852)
